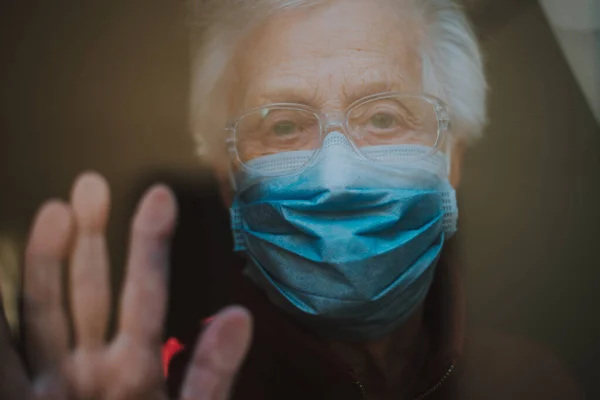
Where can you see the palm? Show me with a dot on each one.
(128, 367)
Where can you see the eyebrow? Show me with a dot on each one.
(353, 91)
(297, 91)
(285, 95)
(301, 92)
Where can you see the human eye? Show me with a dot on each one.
(287, 124)
(381, 118)
(284, 128)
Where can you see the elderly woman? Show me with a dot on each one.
(336, 129)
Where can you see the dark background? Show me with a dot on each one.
(104, 85)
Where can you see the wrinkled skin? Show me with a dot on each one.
(370, 47)
(128, 367)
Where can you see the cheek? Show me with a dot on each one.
(220, 167)
(253, 150)
(225, 188)
(454, 177)
(456, 164)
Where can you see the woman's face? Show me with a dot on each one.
(329, 56)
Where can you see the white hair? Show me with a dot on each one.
(451, 60)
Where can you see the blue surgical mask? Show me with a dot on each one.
(347, 246)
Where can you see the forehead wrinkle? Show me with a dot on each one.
(370, 82)
(308, 71)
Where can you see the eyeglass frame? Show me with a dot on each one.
(442, 113)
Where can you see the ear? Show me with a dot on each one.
(458, 150)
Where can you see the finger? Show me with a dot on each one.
(44, 319)
(218, 356)
(89, 271)
(13, 380)
(145, 291)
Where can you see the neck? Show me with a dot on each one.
(388, 359)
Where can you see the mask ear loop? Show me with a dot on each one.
(232, 153)
(448, 150)
(448, 146)
(232, 181)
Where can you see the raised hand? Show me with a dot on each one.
(85, 366)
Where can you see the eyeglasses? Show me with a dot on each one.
(382, 119)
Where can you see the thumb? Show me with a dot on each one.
(218, 356)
